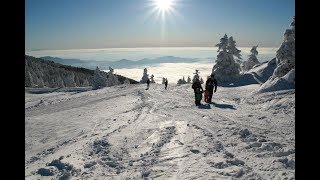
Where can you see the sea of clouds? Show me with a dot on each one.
(172, 71)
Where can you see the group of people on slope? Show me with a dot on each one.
(211, 86)
(165, 84)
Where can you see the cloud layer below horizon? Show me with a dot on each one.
(172, 71)
(114, 54)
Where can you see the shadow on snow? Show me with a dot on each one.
(204, 106)
(224, 106)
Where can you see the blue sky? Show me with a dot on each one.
(89, 24)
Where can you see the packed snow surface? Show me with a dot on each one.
(127, 132)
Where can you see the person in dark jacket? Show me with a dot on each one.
(198, 90)
(211, 86)
(148, 83)
(166, 83)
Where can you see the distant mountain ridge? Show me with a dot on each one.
(45, 73)
(123, 63)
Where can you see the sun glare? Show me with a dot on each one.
(163, 10)
(163, 5)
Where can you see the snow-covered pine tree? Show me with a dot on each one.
(163, 80)
(112, 79)
(85, 82)
(196, 76)
(283, 76)
(151, 79)
(60, 82)
(111, 70)
(145, 76)
(252, 61)
(28, 81)
(189, 80)
(286, 53)
(98, 80)
(226, 68)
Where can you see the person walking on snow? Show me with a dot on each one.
(166, 83)
(148, 83)
(211, 84)
(198, 90)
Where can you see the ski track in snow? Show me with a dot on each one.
(127, 132)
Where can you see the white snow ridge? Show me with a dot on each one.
(127, 132)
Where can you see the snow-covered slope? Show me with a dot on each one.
(126, 132)
(277, 84)
(263, 71)
(257, 75)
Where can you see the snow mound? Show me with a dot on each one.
(277, 84)
(264, 71)
(58, 169)
(274, 101)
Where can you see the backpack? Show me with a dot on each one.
(210, 84)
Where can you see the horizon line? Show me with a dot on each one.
(70, 49)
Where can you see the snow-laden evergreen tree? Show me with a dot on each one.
(286, 53)
(189, 80)
(112, 79)
(98, 80)
(85, 83)
(163, 80)
(252, 61)
(226, 68)
(69, 80)
(145, 76)
(28, 80)
(151, 79)
(283, 76)
(196, 76)
(111, 70)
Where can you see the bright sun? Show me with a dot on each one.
(163, 5)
